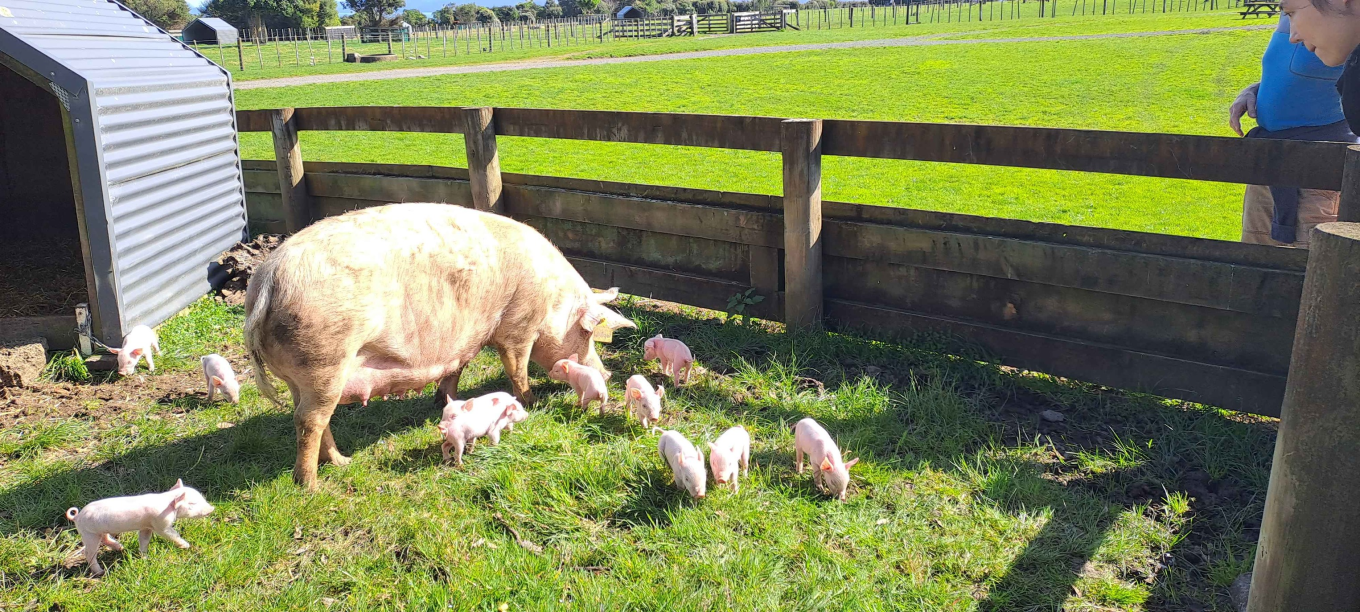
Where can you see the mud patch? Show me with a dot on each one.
(240, 263)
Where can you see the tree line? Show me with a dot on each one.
(306, 14)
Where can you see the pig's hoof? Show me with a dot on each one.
(184, 545)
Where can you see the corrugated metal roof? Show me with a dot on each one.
(215, 23)
(162, 142)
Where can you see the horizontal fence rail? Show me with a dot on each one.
(1203, 320)
(1310, 165)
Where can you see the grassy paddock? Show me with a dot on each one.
(964, 499)
(1176, 84)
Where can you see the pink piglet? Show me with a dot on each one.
(100, 522)
(137, 344)
(218, 374)
(586, 381)
(674, 355)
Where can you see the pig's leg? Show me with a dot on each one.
(798, 458)
(110, 542)
(448, 386)
(312, 419)
(515, 358)
(172, 535)
(143, 540)
(458, 445)
(495, 436)
(329, 451)
(156, 344)
(735, 487)
(150, 365)
(92, 541)
(746, 460)
(445, 447)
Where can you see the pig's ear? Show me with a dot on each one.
(217, 380)
(851, 462)
(135, 352)
(711, 448)
(179, 484)
(575, 358)
(179, 499)
(660, 391)
(595, 315)
(635, 393)
(826, 463)
(448, 399)
(605, 297)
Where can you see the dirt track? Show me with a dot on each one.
(915, 41)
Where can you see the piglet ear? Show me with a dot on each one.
(826, 463)
(851, 462)
(711, 447)
(660, 391)
(217, 380)
(179, 484)
(635, 393)
(135, 352)
(575, 358)
(179, 500)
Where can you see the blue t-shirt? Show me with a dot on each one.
(1297, 89)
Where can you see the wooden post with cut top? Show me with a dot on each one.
(297, 205)
(1348, 209)
(802, 151)
(1310, 538)
(484, 164)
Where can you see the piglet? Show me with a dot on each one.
(465, 421)
(643, 401)
(731, 450)
(586, 381)
(219, 375)
(513, 414)
(831, 473)
(100, 522)
(687, 463)
(137, 344)
(674, 356)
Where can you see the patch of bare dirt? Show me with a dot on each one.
(240, 263)
(101, 398)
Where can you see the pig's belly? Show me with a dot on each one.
(375, 379)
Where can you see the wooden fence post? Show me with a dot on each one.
(1310, 540)
(1348, 209)
(297, 207)
(802, 151)
(484, 164)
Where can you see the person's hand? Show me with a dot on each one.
(1244, 104)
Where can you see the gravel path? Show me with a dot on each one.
(915, 41)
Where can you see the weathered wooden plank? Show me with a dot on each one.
(1348, 209)
(670, 286)
(264, 206)
(1189, 332)
(1121, 240)
(766, 275)
(261, 181)
(1182, 280)
(1257, 161)
(670, 252)
(715, 131)
(1226, 387)
(253, 121)
(389, 189)
(430, 119)
(330, 207)
(58, 330)
(715, 223)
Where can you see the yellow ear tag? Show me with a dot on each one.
(602, 333)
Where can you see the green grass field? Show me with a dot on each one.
(963, 499)
(286, 59)
(1175, 84)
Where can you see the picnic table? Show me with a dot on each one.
(1255, 8)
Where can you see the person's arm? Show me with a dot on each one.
(1244, 104)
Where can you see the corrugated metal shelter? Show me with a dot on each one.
(136, 134)
(210, 31)
(630, 12)
(339, 32)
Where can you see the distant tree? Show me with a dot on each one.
(414, 17)
(327, 14)
(551, 10)
(375, 11)
(168, 14)
(528, 11)
(469, 13)
(445, 15)
(506, 13)
(574, 8)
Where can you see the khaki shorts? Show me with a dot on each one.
(1258, 208)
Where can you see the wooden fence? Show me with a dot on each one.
(1201, 320)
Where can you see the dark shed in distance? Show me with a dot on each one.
(120, 176)
(210, 31)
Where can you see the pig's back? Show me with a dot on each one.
(732, 438)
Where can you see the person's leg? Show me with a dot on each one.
(1258, 208)
(1315, 206)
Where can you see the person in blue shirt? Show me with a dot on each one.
(1296, 99)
